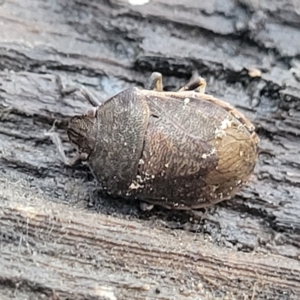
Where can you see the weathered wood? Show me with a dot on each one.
(92, 255)
(92, 246)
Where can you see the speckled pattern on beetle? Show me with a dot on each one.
(180, 150)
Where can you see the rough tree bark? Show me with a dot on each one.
(60, 237)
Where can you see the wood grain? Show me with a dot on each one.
(62, 238)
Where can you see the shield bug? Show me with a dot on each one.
(181, 150)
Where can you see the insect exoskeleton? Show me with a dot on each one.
(198, 150)
(181, 150)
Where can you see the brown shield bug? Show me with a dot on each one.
(180, 150)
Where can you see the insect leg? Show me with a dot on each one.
(58, 143)
(80, 88)
(144, 206)
(155, 82)
(198, 84)
(84, 92)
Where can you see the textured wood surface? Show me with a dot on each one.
(60, 237)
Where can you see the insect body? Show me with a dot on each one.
(181, 150)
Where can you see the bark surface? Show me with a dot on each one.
(60, 238)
